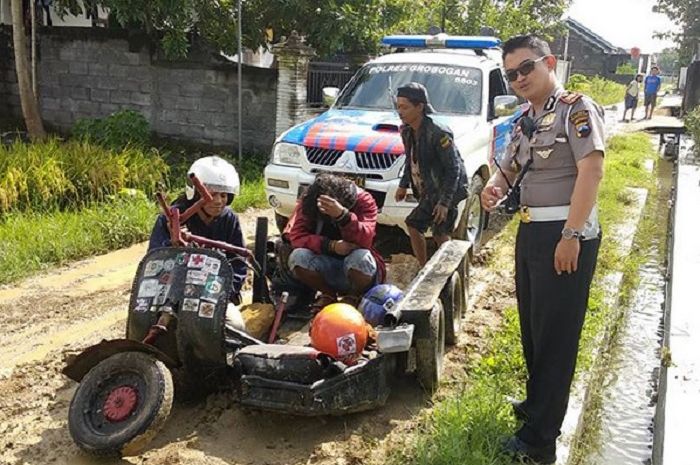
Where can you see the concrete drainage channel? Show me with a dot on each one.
(618, 396)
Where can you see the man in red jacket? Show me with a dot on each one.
(331, 232)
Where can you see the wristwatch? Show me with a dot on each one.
(570, 233)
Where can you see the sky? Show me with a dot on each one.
(624, 23)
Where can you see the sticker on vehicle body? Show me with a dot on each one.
(148, 288)
(190, 305)
(181, 258)
(206, 309)
(213, 288)
(162, 294)
(212, 265)
(197, 261)
(198, 277)
(165, 278)
(169, 264)
(190, 290)
(153, 267)
(142, 305)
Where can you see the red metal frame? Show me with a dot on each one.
(175, 219)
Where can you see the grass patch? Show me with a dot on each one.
(603, 91)
(44, 176)
(466, 426)
(35, 241)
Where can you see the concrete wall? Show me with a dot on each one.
(93, 72)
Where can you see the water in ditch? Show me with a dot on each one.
(630, 385)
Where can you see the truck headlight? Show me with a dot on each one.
(284, 153)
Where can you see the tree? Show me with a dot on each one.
(351, 27)
(513, 17)
(668, 61)
(685, 14)
(30, 106)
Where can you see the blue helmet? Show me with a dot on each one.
(377, 301)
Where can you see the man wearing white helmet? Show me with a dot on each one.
(215, 220)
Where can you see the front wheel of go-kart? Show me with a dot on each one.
(121, 404)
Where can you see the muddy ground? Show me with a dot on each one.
(47, 318)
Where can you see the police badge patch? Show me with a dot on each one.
(581, 122)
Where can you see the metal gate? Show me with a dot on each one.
(326, 74)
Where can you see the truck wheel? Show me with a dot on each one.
(431, 350)
(453, 302)
(281, 222)
(260, 291)
(121, 404)
(473, 220)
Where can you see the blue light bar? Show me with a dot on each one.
(441, 41)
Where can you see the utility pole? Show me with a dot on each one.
(240, 84)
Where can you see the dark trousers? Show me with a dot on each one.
(552, 309)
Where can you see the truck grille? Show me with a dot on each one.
(323, 157)
(375, 161)
(365, 160)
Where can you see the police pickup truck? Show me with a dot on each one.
(358, 136)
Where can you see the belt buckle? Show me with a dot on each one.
(525, 214)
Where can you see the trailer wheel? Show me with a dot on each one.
(260, 290)
(473, 220)
(431, 350)
(121, 404)
(453, 301)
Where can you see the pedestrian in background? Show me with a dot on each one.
(632, 96)
(558, 147)
(652, 83)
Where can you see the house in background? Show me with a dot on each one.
(589, 53)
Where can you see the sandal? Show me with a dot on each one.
(321, 301)
(353, 300)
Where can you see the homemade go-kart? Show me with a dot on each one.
(176, 330)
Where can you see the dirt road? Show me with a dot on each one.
(45, 319)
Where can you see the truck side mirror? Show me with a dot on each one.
(329, 95)
(505, 105)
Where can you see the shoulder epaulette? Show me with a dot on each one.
(571, 97)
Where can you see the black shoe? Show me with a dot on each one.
(520, 450)
(518, 408)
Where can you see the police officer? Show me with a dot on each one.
(560, 142)
(434, 170)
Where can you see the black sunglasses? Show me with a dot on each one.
(525, 68)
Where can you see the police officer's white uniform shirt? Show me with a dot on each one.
(565, 135)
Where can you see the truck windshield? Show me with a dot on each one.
(451, 89)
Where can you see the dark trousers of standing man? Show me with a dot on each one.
(552, 309)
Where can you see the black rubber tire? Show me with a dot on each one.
(98, 436)
(281, 222)
(430, 351)
(453, 299)
(473, 201)
(261, 292)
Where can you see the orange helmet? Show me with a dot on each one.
(340, 331)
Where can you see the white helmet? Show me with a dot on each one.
(216, 174)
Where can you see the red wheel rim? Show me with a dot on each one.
(120, 403)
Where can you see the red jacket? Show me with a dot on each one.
(360, 229)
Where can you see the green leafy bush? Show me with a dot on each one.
(626, 68)
(692, 124)
(603, 91)
(53, 174)
(119, 130)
